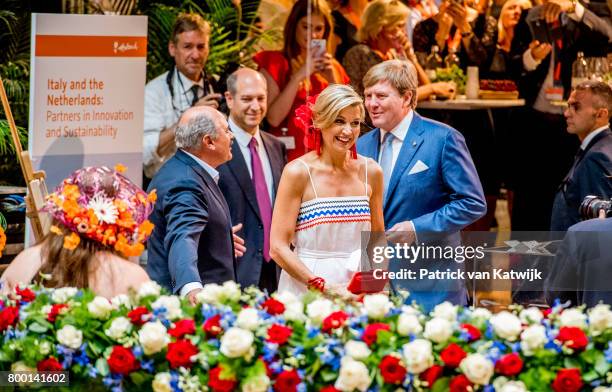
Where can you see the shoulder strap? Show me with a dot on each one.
(310, 176)
(366, 176)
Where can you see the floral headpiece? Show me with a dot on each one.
(312, 134)
(104, 206)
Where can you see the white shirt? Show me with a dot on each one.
(400, 131)
(161, 111)
(244, 138)
(591, 135)
(215, 175)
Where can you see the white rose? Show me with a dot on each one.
(118, 328)
(20, 366)
(70, 337)
(477, 368)
(506, 325)
(319, 309)
(149, 288)
(376, 306)
(44, 347)
(294, 311)
(531, 315)
(418, 355)
(353, 375)
(100, 308)
(600, 319)
(513, 386)
(161, 382)
(573, 318)
(408, 309)
(408, 324)
(236, 342)
(481, 314)
(445, 310)
(602, 389)
(153, 337)
(62, 295)
(171, 303)
(211, 293)
(286, 297)
(438, 330)
(121, 299)
(533, 338)
(256, 384)
(248, 319)
(231, 291)
(357, 350)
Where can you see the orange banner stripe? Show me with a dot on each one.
(90, 46)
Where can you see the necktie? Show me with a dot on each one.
(577, 159)
(195, 90)
(263, 197)
(386, 160)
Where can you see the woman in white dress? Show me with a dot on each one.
(326, 199)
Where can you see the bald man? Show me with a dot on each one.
(192, 243)
(249, 181)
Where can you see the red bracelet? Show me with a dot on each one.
(316, 283)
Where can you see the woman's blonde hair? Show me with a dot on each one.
(501, 35)
(380, 14)
(331, 101)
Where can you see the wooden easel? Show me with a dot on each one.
(35, 180)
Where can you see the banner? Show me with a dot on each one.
(87, 81)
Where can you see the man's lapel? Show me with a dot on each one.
(239, 169)
(276, 164)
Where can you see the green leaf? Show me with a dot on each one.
(571, 363)
(138, 378)
(441, 385)
(589, 376)
(601, 365)
(38, 328)
(102, 367)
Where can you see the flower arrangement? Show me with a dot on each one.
(104, 206)
(248, 341)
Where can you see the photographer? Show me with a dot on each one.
(171, 93)
(587, 115)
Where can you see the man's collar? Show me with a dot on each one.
(187, 83)
(243, 137)
(591, 136)
(401, 130)
(209, 169)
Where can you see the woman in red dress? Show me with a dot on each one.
(290, 78)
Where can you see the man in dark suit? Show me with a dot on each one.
(191, 244)
(588, 115)
(431, 187)
(250, 179)
(546, 74)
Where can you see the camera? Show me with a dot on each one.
(591, 205)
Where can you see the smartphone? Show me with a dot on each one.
(318, 47)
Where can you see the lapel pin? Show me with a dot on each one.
(413, 143)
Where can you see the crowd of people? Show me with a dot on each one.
(273, 182)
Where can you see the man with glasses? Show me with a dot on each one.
(588, 117)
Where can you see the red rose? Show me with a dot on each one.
(212, 326)
(432, 374)
(472, 331)
(26, 294)
(392, 370)
(182, 328)
(8, 317)
(55, 311)
(460, 383)
(273, 306)
(546, 312)
(573, 337)
(49, 365)
(370, 334)
(287, 381)
(452, 355)
(139, 315)
(180, 353)
(279, 334)
(567, 380)
(509, 365)
(334, 320)
(217, 384)
(329, 388)
(122, 361)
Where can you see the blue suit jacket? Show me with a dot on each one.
(588, 176)
(192, 239)
(440, 201)
(237, 187)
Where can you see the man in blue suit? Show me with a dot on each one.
(431, 187)
(250, 179)
(192, 243)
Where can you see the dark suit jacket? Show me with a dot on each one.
(192, 239)
(592, 35)
(582, 269)
(237, 186)
(588, 176)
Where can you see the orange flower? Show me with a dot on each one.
(71, 192)
(120, 168)
(125, 220)
(71, 241)
(109, 236)
(2, 240)
(71, 208)
(93, 219)
(152, 196)
(56, 230)
(145, 228)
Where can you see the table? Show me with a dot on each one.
(471, 104)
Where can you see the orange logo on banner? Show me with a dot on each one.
(90, 46)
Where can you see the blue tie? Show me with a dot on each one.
(386, 160)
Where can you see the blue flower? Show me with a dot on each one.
(82, 359)
(214, 342)
(301, 387)
(515, 347)
(174, 381)
(92, 371)
(297, 351)
(148, 366)
(276, 367)
(496, 351)
(137, 350)
(489, 332)
(312, 332)
(489, 388)
(269, 351)
(117, 389)
(608, 353)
